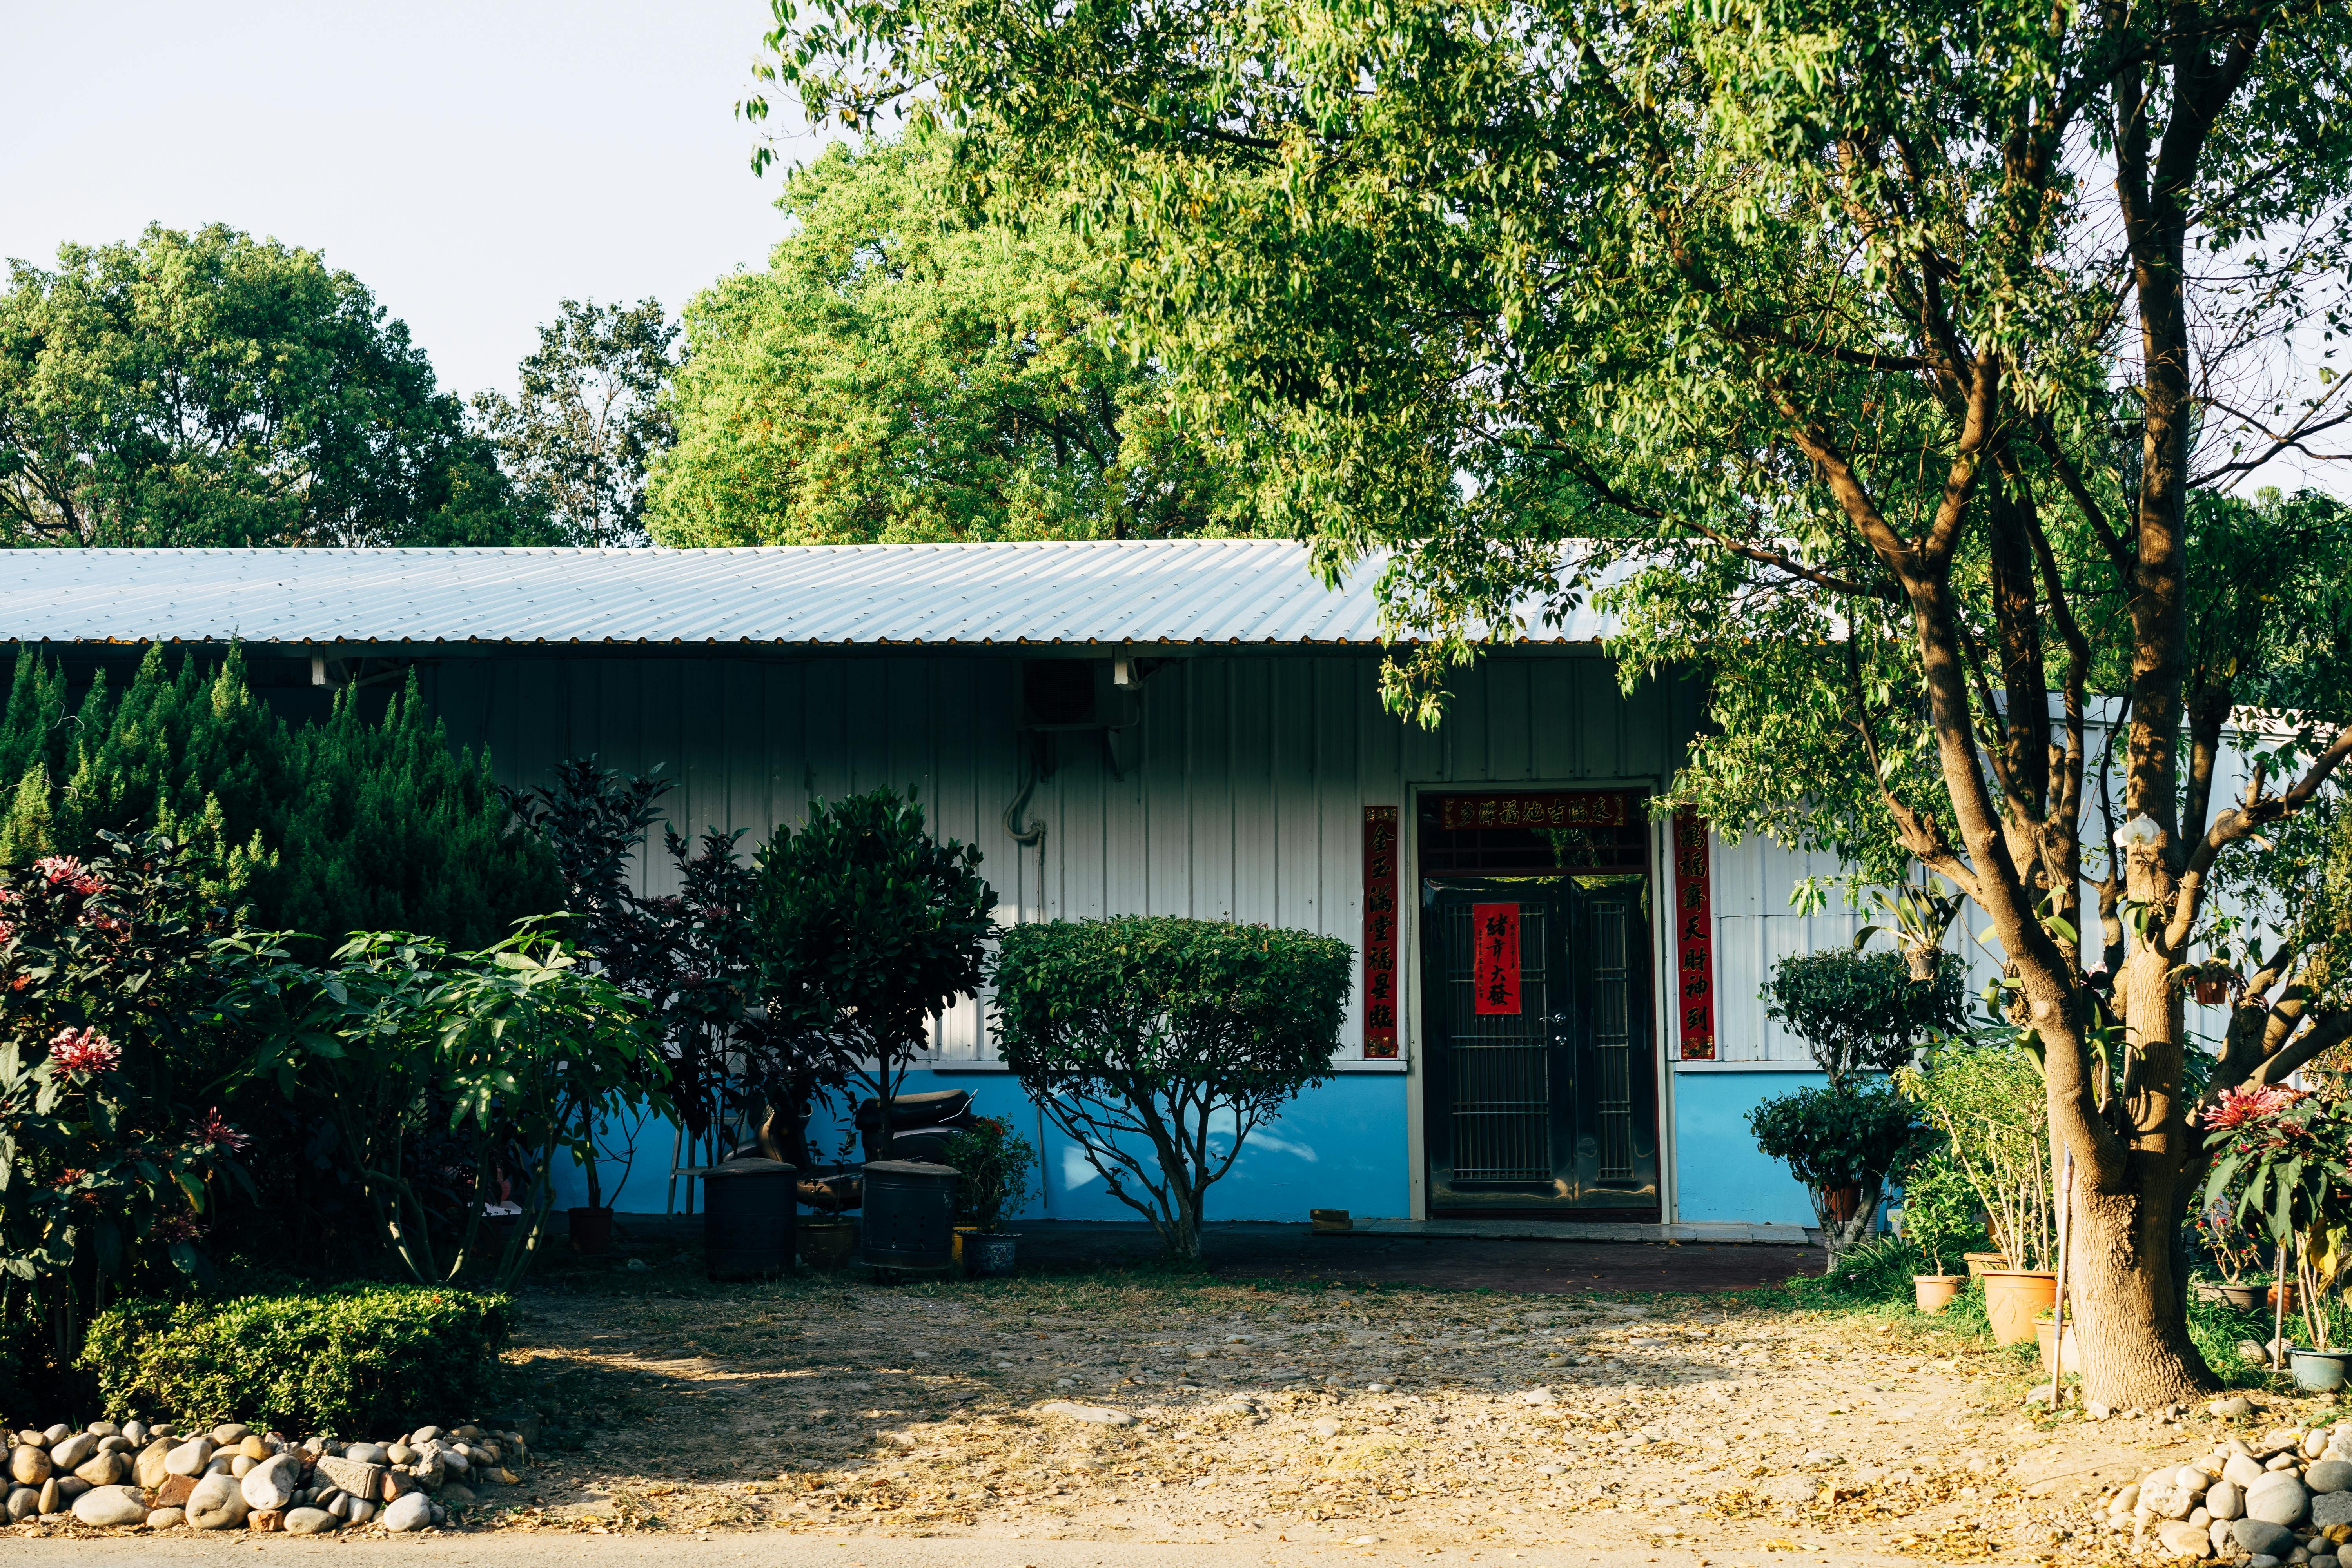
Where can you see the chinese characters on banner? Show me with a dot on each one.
(1694, 940)
(1495, 960)
(1380, 932)
(1547, 810)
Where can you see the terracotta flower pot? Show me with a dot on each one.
(2014, 1298)
(1934, 1292)
(827, 1242)
(2046, 1331)
(591, 1231)
(1980, 1263)
(1841, 1203)
(2271, 1298)
(2245, 1298)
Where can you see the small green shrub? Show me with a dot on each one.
(351, 1359)
(1863, 1012)
(996, 1164)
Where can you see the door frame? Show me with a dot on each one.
(1409, 959)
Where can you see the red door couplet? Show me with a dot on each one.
(1495, 960)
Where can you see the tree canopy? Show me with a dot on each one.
(208, 388)
(1877, 362)
(920, 363)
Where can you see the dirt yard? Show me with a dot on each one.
(1392, 1422)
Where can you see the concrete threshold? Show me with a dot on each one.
(1582, 1230)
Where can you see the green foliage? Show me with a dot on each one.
(212, 389)
(1863, 1012)
(1942, 1216)
(430, 1062)
(112, 1159)
(590, 421)
(326, 829)
(995, 1166)
(1159, 1045)
(867, 926)
(350, 1360)
(1986, 1100)
(917, 364)
(1839, 1135)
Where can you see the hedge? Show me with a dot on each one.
(350, 1360)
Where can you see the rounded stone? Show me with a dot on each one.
(367, 1453)
(28, 1466)
(424, 1434)
(229, 1432)
(2262, 1538)
(190, 1458)
(2225, 1500)
(136, 1431)
(2329, 1476)
(2329, 1509)
(2278, 1499)
(23, 1503)
(2189, 1478)
(412, 1512)
(104, 1470)
(273, 1482)
(111, 1508)
(72, 1451)
(217, 1503)
(166, 1518)
(252, 1448)
(56, 1434)
(308, 1521)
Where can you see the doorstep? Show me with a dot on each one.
(1582, 1230)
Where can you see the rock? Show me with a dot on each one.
(1325, 1428)
(2315, 1443)
(191, 1456)
(507, 1479)
(216, 1503)
(2278, 1499)
(68, 1488)
(2177, 1504)
(430, 1472)
(110, 1506)
(56, 1434)
(2219, 1531)
(412, 1512)
(1538, 1397)
(148, 1469)
(2226, 1499)
(73, 1450)
(175, 1491)
(166, 1518)
(424, 1434)
(104, 1470)
(2191, 1478)
(399, 1453)
(455, 1462)
(1100, 1415)
(2262, 1538)
(252, 1448)
(354, 1475)
(272, 1483)
(1789, 1488)
(2126, 1500)
(2244, 1469)
(362, 1510)
(454, 1496)
(2329, 1476)
(367, 1453)
(28, 1466)
(23, 1503)
(310, 1522)
(53, 1497)
(396, 1484)
(241, 1464)
(136, 1431)
(266, 1520)
(2182, 1539)
(230, 1432)
(2329, 1509)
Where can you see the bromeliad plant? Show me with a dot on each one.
(453, 1077)
(2282, 1161)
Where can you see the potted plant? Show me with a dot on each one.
(1940, 1217)
(2282, 1158)
(994, 1165)
(1986, 1098)
(868, 927)
(2234, 1250)
(1862, 1016)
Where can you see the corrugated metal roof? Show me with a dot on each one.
(1176, 590)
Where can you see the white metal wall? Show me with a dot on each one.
(1241, 795)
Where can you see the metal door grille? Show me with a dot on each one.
(1502, 1065)
(1612, 1041)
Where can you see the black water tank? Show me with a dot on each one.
(909, 1216)
(747, 1219)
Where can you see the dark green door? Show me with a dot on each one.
(1541, 1069)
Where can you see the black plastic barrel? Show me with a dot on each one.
(747, 1206)
(909, 1216)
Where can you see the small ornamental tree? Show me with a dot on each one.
(867, 927)
(1841, 1139)
(1159, 1045)
(1863, 1012)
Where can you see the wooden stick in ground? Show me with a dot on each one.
(2278, 1310)
(2058, 1307)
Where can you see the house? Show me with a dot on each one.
(1556, 1010)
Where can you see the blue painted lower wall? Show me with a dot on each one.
(1343, 1145)
(1721, 1174)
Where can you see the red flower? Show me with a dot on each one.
(215, 1131)
(2237, 1107)
(84, 1050)
(67, 870)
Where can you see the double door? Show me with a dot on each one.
(1541, 1066)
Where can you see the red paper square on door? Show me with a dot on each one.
(1495, 960)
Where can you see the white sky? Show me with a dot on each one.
(473, 164)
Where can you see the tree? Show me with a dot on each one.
(1869, 359)
(914, 365)
(212, 389)
(1159, 1045)
(1861, 1011)
(590, 420)
(867, 927)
